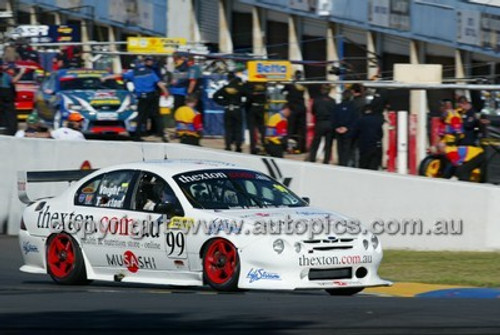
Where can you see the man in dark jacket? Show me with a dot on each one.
(368, 133)
(255, 109)
(470, 122)
(231, 97)
(344, 118)
(323, 107)
(297, 127)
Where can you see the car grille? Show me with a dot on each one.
(326, 274)
(329, 243)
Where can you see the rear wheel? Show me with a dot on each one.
(221, 265)
(344, 291)
(65, 262)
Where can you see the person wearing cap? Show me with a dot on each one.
(72, 131)
(33, 128)
(145, 83)
(368, 134)
(7, 97)
(323, 109)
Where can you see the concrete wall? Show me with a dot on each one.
(366, 195)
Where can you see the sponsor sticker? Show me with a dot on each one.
(29, 248)
(261, 274)
(131, 261)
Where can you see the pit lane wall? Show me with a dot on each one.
(366, 195)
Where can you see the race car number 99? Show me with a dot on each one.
(176, 245)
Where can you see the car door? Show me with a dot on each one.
(150, 196)
(104, 201)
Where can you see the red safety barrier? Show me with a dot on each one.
(435, 130)
(392, 147)
(412, 144)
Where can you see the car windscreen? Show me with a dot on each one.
(88, 83)
(226, 189)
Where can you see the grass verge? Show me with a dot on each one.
(480, 269)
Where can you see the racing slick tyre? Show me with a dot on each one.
(344, 291)
(435, 166)
(221, 265)
(65, 262)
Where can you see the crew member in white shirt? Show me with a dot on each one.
(72, 131)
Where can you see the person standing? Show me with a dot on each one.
(195, 85)
(7, 97)
(323, 108)
(470, 122)
(297, 127)
(145, 84)
(155, 116)
(231, 97)
(255, 109)
(277, 133)
(179, 84)
(188, 122)
(368, 133)
(344, 117)
(359, 103)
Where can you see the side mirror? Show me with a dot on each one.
(307, 199)
(169, 209)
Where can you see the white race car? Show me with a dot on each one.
(190, 223)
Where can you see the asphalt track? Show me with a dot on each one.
(32, 304)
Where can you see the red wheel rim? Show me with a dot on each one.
(61, 256)
(220, 261)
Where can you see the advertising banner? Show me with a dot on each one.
(155, 45)
(47, 33)
(264, 71)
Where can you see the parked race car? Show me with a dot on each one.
(26, 86)
(188, 223)
(108, 107)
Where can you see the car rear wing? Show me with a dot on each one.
(25, 177)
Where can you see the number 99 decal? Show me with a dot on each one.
(176, 245)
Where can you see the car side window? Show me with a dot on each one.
(114, 188)
(152, 190)
(86, 194)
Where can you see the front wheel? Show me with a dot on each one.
(65, 262)
(344, 291)
(221, 265)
